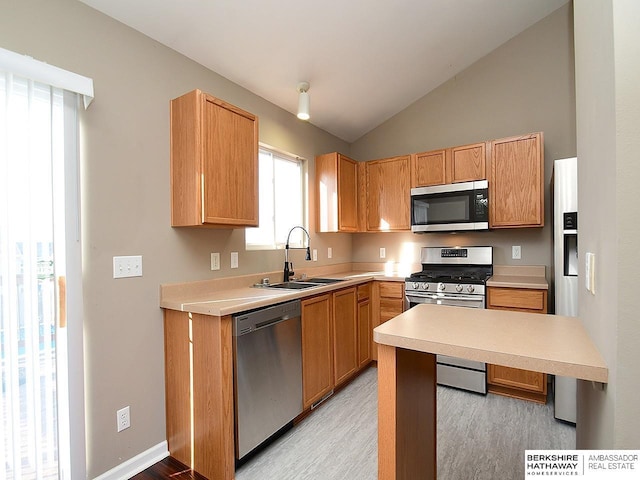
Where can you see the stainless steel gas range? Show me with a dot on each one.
(453, 276)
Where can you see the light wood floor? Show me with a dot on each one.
(479, 437)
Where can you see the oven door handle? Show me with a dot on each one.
(435, 296)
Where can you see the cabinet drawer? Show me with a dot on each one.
(517, 299)
(391, 290)
(364, 291)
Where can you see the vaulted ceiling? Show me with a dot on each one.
(365, 60)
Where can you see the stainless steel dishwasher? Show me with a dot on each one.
(267, 372)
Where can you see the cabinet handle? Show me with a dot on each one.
(62, 302)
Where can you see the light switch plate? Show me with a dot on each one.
(590, 272)
(315, 254)
(329, 252)
(127, 266)
(383, 252)
(234, 259)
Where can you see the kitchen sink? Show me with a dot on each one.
(292, 285)
(323, 280)
(301, 284)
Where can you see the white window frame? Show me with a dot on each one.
(296, 237)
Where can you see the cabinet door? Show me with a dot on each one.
(516, 186)
(468, 163)
(362, 196)
(317, 349)
(428, 168)
(214, 163)
(336, 193)
(364, 333)
(347, 194)
(230, 165)
(345, 334)
(388, 194)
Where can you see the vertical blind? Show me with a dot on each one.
(31, 149)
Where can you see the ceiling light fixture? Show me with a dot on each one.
(303, 101)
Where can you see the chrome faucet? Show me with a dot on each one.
(288, 267)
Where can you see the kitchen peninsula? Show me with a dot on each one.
(407, 348)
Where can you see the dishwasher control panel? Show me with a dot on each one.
(247, 322)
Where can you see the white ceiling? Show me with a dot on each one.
(366, 60)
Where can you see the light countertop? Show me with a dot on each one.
(543, 343)
(221, 297)
(513, 276)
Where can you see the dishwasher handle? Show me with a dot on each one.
(248, 322)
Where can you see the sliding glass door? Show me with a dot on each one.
(34, 432)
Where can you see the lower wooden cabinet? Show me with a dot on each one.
(317, 348)
(364, 325)
(515, 382)
(388, 302)
(345, 334)
(336, 339)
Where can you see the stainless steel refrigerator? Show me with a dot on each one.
(565, 238)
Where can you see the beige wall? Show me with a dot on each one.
(608, 127)
(125, 204)
(525, 85)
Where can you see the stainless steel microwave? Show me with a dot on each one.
(449, 208)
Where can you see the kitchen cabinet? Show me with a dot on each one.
(452, 165)
(336, 193)
(364, 325)
(214, 163)
(515, 382)
(388, 194)
(516, 183)
(388, 302)
(362, 196)
(345, 334)
(199, 391)
(317, 348)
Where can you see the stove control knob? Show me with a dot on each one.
(416, 285)
(425, 286)
(441, 286)
(470, 288)
(458, 288)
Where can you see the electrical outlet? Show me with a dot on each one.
(129, 266)
(215, 261)
(123, 418)
(516, 252)
(234, 259)
(315, 255)
(329, 252)
(383, 252)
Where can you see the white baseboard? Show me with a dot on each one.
(137, 464)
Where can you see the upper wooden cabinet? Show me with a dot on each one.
(452, 165)
(428, 168)
(388, 194)
(516, 184)
(468, 163)
(336, 193)
(214, 163)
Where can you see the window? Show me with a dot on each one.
(282, 201)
